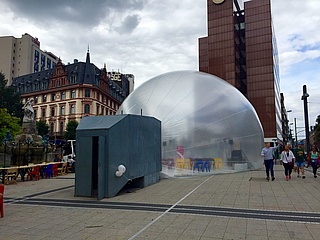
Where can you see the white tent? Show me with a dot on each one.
(203, 118)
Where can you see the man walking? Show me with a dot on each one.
(300, 159)
(267, 154)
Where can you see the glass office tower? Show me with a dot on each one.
(241, 49)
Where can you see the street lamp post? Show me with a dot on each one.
(295, 131)
(290, 135)
(28, 141)
(287, 127)
(4, 141)
(4, 153)
(304, 97)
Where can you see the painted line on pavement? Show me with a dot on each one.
(168, 210)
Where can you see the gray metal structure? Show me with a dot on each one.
(105, 142)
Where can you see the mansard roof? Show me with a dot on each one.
(77, 73)
(86, 74)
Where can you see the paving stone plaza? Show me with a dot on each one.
(226, 206)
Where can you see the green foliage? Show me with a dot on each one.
(317, 122)
(70, 133)
(8, 123)
(9, 99)
(42, 127)
(318, 135)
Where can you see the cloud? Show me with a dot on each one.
(296, 26)
(151, 37)
(128, 24)
(80, 12)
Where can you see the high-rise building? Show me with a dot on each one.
(21, 56)
(241, 49)
(118, 76)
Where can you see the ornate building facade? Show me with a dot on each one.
(71, 92)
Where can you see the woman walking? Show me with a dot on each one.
(313, 158)
(287, 159)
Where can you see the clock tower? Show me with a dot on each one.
(217, 1)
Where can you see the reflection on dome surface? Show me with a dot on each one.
(208, 126)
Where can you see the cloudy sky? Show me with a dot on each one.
(151, 37)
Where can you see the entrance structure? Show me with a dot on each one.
(115, 150)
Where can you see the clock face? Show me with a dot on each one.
(217, 1)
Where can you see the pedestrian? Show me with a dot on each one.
(267, 154)
(300, 160)
(313, 159)
(287, 159)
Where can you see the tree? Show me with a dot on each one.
(9, 99)
(8, 123)
(317, 122)
(70, 133)
(42, 127)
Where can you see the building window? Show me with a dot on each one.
(73, 79)
(73, 93)
(87, 109)
(61, 128)
(43, 112)
(48, 63)
(36, 86)
(43, 62)
(36, 67)
(44, 98)
(52, 111)
(72, 109)
(63, 96)
(35, 99)
(28, 87)
(87, 93)
(35, 113)
(36, 61)
(53, 97)
(62, 110)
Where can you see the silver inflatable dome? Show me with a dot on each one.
(208, 126)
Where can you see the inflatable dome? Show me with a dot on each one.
(207, 125)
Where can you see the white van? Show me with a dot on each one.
(69, 149)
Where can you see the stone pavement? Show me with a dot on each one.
(226, 206)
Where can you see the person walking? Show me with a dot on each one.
(287, 160)
(300, 160)
(267, 154)
(313, 158)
